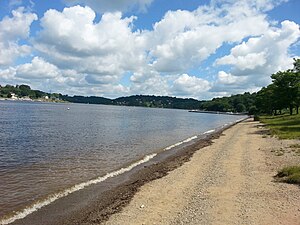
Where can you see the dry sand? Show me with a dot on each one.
(229, 182)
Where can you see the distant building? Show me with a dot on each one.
(14, 96)
(46, 97)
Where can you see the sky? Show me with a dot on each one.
(184, 48)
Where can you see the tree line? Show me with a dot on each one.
(281, 95)
(26, 91)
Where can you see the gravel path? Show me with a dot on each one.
(229, 182)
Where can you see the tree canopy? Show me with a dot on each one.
(284, 92)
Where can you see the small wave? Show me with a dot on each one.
(36, 206)
(179, 143)
(209, 131)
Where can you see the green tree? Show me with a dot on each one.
(240, 107)
(296, 65)
(265, 100)
(297, 72)
(23, 87)
(287, 88)
(252, 110)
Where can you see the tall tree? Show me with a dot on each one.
(265, 100)
(287, 88)
(297, 72)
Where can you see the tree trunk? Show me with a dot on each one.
(291, 110)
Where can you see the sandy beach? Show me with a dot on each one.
(228, 182)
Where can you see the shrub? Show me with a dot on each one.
(290, 175)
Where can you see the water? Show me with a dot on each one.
(46, 148)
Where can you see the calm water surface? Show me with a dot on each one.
(45, 148)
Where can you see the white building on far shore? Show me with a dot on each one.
(14, 96)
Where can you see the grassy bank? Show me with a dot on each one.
(290, 174)
(283, 126)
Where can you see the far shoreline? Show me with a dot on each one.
(66, 102)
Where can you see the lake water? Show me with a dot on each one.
(46, 148)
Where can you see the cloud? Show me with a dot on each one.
(103, 6)
(12, 30)
(37, 69)
(227, 84)
(7, 76)
(254, 60)
(227, 78)
(104, 50)
(259, 57)
(258, 5)
(45, 76)
(186, 85)
(249, 61)
(84, 54)
(184, 39)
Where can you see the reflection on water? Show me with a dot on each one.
(45, 148)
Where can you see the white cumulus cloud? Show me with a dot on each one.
(12, 30)
(37, 69)
(227, 78)
(103, 50)
(184, 39)
(186, 85)
(261, 56)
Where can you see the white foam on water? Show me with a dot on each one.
(36, 206)
(237, 121)
(209, 131)
(179, 143)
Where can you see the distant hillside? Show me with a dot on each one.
(88, 100)
(235, 103)
(158, 102)
(138, 100)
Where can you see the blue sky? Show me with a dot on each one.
(199, 49)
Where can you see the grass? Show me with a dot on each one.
(290, 174)
(283, 126)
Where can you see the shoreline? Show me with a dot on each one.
(110, 196)
(228, 182)
(219, 112)
(32, 100)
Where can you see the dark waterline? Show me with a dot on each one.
(45, 147)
